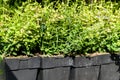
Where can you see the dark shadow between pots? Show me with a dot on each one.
(39, 75)
(116, 58)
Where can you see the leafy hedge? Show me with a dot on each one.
(60, 29)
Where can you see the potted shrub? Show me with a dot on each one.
(65, 33)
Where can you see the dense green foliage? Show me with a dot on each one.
(61, 28)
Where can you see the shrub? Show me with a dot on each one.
(66, 29)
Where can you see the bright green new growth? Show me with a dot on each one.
(64, 28)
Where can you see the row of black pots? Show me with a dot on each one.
(102, 67)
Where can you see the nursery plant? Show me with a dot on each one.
(59, 28)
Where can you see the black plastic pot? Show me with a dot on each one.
(100, 67)
(22, 68)
(55, 68)
(111, 70)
